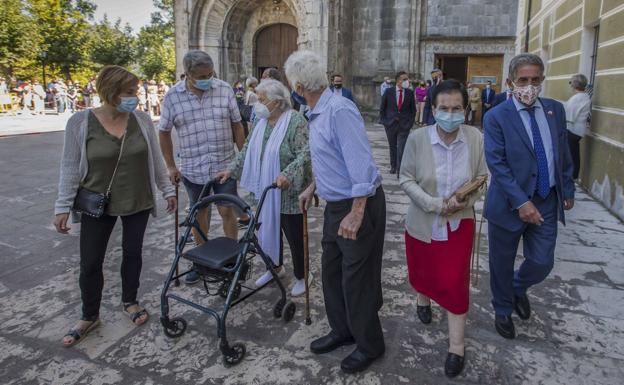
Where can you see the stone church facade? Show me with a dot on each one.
(364, 40)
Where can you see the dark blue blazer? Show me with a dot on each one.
(346, 93)
(390, 115)
(484, 96)
(510, 157)
(499, 98)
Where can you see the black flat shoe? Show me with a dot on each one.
(424, 314)
(329, 343)
(505, 326)
(393, 171)
(357, 361)
(522, 306)
(454, 365)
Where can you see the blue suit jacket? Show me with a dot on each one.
(499, 98)
(484, 96)
(346, 93)
(510, 157)
(391, 116)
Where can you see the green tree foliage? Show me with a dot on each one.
(112, 44)
(156, 44)
(18, 39)
(64, 24)
(63, 35)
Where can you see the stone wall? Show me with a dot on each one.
(461, 18)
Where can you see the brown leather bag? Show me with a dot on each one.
(470, 188)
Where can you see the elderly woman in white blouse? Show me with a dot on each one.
(439, 159)
(577, 111)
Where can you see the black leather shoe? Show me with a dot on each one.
(522, 306)
(505, 326)
(393, 171)
(454, 365)
(424, 313)
(329, 343)
(357, 361)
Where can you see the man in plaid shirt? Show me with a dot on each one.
(205, 114)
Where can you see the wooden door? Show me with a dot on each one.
(273, 46)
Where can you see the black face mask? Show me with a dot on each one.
(338, 86)
(299, 98)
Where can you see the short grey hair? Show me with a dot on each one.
(196, 58)
(251, 81)
(579, 82)
(275, 90)
(522, 60)
(306, 68)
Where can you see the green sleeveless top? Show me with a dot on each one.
(131, 191)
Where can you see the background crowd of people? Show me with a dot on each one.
(60, 96)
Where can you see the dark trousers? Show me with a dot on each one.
(574, 142)
(397, 137)
(352, 274)
(538, 249)
(94, 236)
(292, 228)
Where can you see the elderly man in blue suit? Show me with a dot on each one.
(526, 152)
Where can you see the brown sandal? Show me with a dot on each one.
(134, 316)
(79, 334)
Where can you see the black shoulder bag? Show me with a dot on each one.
(93, 203)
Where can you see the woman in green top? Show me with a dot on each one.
(112, 145)
(276, 152)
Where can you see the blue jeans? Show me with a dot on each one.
(538, 249)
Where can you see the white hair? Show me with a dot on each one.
(251, 81)
(307, 69)
(276, 91)
(196, 58)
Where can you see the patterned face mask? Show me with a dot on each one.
(527, 94)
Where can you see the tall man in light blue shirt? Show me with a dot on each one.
(347, 178)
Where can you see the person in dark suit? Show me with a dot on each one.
(337, 88)
(487, 97)
(526, 150)
(501, 97)
(437, 78)
(397, 113)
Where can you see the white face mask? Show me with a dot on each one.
(261, 111)
(405, 84)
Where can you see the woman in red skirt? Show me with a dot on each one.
(439, 159)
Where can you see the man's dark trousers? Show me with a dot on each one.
(397, 137)
(352, 274)
(538, 249)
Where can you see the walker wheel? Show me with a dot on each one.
(235, 355)
(277, 309)
(289, 311)
(175, 327)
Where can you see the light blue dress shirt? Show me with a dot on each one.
(544, 128)
(342, 159)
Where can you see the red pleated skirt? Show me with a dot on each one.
(441, 269)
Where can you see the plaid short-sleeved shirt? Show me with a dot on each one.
(204, 128)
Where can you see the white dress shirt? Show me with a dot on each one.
(452, 171)
(577, 110)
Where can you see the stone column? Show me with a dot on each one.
(181, 14)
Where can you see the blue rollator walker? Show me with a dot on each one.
(224, 264)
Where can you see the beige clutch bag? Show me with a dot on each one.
(469, 188)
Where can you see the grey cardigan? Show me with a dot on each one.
(419, 181)
(74, 165)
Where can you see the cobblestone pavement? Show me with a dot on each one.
(576, 335)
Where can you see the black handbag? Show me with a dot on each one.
(93, 203)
